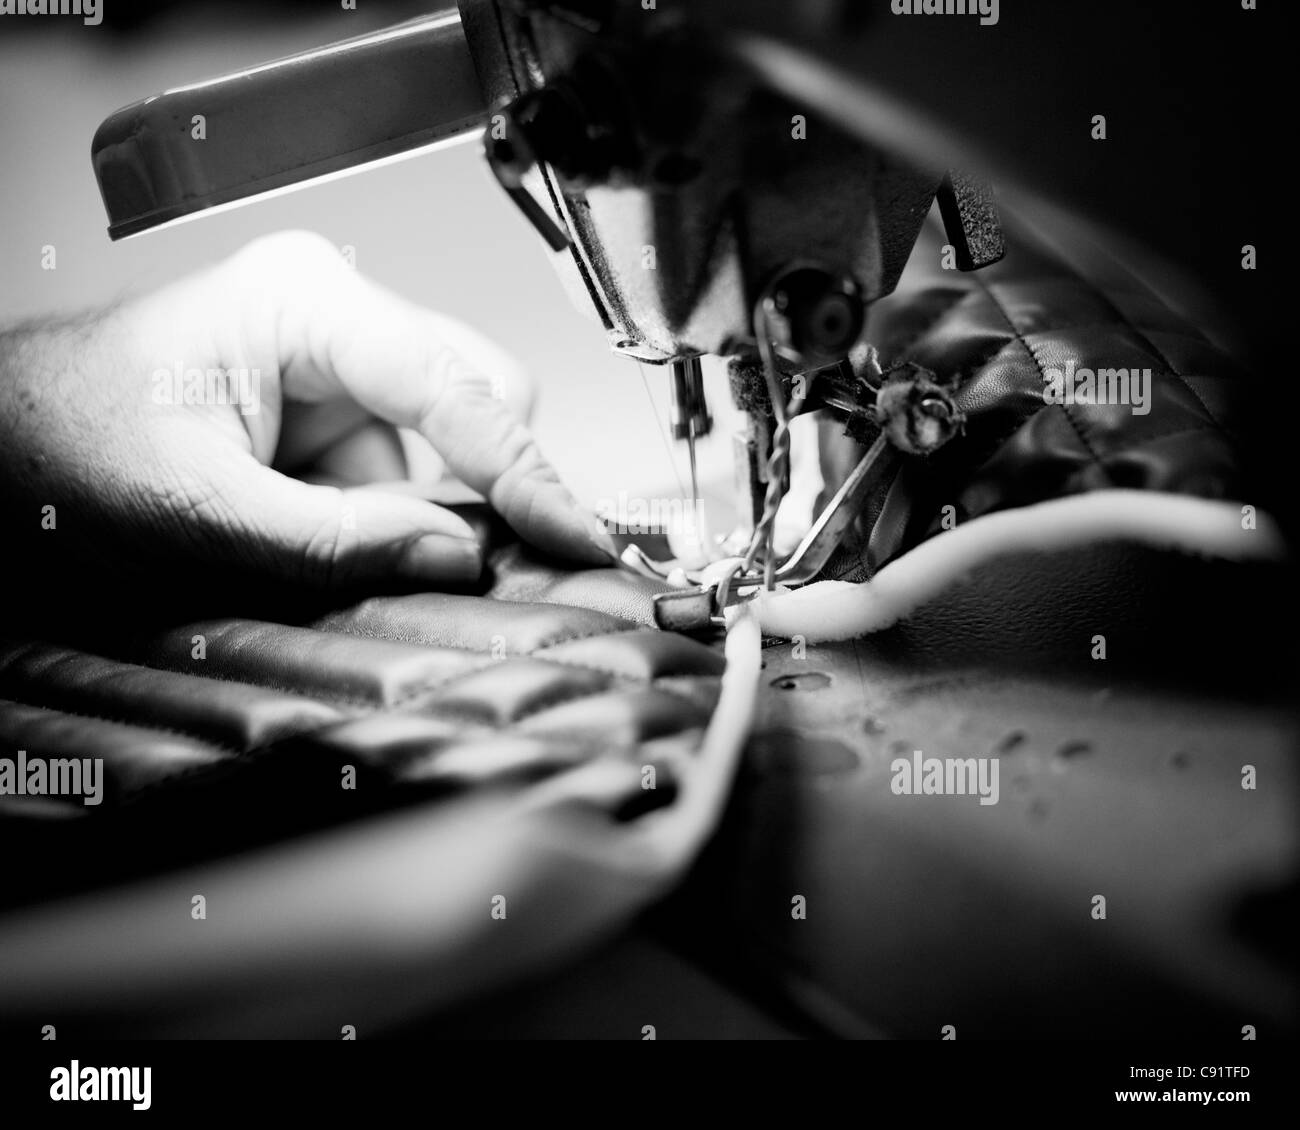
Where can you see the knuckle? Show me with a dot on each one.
(287, 255)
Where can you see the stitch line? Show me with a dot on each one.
(1083, 439)
(1124, 319)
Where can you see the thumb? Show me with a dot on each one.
(334, 331)
(327, 538)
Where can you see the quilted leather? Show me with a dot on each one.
(488, 719)
(378, 679)
(424, 692)
(996, 332)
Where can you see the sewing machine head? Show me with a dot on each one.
(701, 208)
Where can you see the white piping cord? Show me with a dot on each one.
(836, 610)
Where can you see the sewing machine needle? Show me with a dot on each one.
(695, 483)
(690, 419)
(697, 507)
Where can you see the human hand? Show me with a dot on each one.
(314, 365)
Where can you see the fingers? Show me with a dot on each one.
(311, 432)
(497, 456)
(336, 331)
(329, 538)
(367, 454)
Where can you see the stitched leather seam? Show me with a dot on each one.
(1147, 293)
(368, 704)
(507, 727)
(1158, 352)
(367, 707)
(1137, 291)
(1083, 439)
(221, 747)
(982, 363)
(510, 727)
(622, 676)
(150, 728)
(173, 777)
(649, 683)
(533, 654)
(545, 644)
(1125, 321)
(451, 680)
(585, 636)
(484, 729)
(477, 728)
(332, 697)
(329, 697)
(417, 642)
(428, 688)
(561, 701)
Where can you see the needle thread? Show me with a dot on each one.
(663, 435)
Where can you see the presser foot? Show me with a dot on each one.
(703, 601)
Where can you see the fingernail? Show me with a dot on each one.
(598, 535)
(441, 558)
(603, 540)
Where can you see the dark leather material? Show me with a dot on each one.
(513, 748)
(521, 575)
(229, 714)
(431, 688)
(996, 332)
(134, 757)
(441, 620)
(362, 672)
(1120, 777)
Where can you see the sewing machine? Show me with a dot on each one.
(776, 211)
(664, 151)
